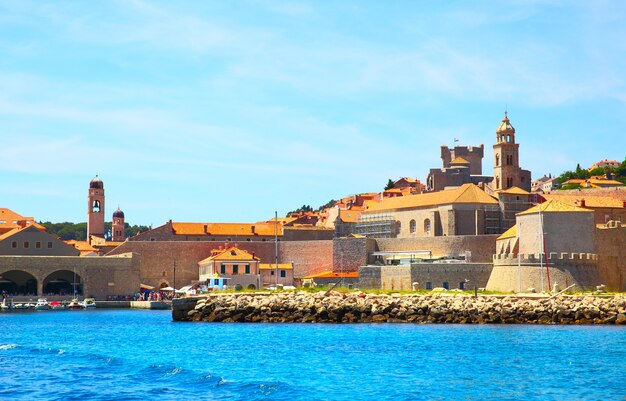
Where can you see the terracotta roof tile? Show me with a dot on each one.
(467, 193)
(231, 253)
(510, 233)
(265, 229)
(553, 206)
(513, 191)
(591, 201)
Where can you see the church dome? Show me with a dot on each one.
(505, 126)
(96, 182)
(118, 213)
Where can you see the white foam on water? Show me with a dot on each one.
(7, 346)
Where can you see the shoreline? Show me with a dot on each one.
(336, 307)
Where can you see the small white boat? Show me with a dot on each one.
(5, 305)
(42, 304)
(89, 303)
(75, 304)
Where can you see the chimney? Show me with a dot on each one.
(252, 228)
(582, 203)
(205, 229)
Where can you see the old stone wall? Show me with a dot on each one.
(370, 277)
(157, 262)
(395, 278)
(308, 257)
(564, 269)
(351, 253)
(611, 251)
(482, 247)
(456, 275)
(101, 276)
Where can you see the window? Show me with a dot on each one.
(49, 244)
(412, 226)
(497, 160)
(95, 206)
(247, 269)
(462, 285)
(283, 273)
(271, 272)
(429, 285)
(223, 269)
(14, 244)
(446, 285)
(398, 227)
(427, 226)
(235, 269)
(26, 244)
(38, 244)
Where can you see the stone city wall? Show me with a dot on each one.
(611, 250)
(401, 278)
(564, 269)
(101, 276)
(482, 247)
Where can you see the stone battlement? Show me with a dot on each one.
(553, 258)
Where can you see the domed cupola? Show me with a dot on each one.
(505, 131)
(118, 213)
(96, 183)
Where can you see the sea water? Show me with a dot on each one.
(144, 355)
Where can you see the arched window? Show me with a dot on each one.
(427, 226)
(497, 182)
(96, 206)
(398, 228)
(497, 160)
(412, 226)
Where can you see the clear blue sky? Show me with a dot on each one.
(228, 110)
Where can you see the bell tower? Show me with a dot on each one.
(505, 153)
(117, 227)
(95, 209)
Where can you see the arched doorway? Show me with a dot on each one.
(63, 282)
(18, 282)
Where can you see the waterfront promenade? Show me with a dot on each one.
(336, 307)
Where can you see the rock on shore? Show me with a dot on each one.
(338, 307)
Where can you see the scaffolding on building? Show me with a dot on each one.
(379, 225)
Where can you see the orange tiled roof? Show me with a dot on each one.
(231, 253)
(467, 193)
(552, 206)
(510, 233)
(594, 181)
(349, 216)
(81, 245)
(459, 160)
(270, 266)
(265, 229)
(10, 220)
(591, 201)
(10, 233)
(334, 275)
(513, 191)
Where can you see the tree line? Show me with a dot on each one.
(78, 231)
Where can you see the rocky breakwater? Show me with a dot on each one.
(338, 307)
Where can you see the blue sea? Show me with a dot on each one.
(143, 355)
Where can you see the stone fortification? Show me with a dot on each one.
(480, 247)
(565, 269)
(369, 308)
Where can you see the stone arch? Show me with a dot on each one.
(63, 282)
(163, 284)
(412, 226)
(18, 282)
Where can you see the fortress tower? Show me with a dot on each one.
(117, 228)
(95, 209)
(506, 170)
(472, 154)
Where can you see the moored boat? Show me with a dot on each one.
(42, 304)
(75, 304)
(89, 303)
(56, 305)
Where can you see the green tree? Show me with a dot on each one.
(389, 185)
